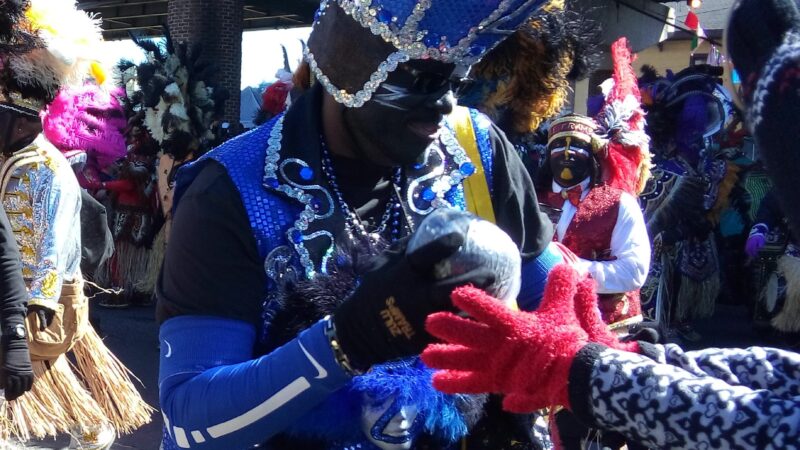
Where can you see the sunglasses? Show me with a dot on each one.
(423, 82)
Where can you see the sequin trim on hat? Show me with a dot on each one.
(416, 32)
(358, 99)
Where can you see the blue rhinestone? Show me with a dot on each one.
(306, 173)
(384, 16)
(477, 50)
(418, 166)
(297, 236)
(272, 182)
(467, 168)
(432, 40)
(428, 194)
(317, 15)
(395, 223)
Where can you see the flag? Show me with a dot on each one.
(696, 39)
(693, 23)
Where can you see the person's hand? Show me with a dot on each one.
(754, 244)
(44, 316)
(17, 372)
(384, 317)
(525, 356)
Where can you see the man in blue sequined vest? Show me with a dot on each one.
(358, 161)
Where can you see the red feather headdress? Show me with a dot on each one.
(627, 153)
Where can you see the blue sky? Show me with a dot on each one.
(261, 52)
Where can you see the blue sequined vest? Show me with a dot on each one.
(290, 214)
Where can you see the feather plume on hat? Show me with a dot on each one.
(627, 162)
(52, 44)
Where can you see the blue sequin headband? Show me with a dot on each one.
(451, 31)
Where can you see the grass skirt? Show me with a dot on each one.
(788, 319)
(84, 386)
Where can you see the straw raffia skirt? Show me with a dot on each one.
(77, 380)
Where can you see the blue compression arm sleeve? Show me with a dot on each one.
(215, 396)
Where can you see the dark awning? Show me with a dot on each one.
(146, 17)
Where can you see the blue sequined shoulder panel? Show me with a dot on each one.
(269, 215)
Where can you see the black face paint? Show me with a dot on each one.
(18, 128)
(570, 161)
(405, 116)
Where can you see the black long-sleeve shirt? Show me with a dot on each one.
(13, 295)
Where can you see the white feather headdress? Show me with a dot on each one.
(66, 53)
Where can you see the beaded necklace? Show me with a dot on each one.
(356, 229)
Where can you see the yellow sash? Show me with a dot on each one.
(476, 189)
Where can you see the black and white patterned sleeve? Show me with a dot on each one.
(756, 367)
(666, 406)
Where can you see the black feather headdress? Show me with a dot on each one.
(679, 106)
(525, 80)
(173, 95)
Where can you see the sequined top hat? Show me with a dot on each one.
(390, 32)
(573, 126)
(44, 44)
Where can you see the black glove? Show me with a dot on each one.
(43, 315)
(384, 318)
(17, 372)
(650, 332)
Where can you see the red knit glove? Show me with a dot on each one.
(589, 317)
(526, 356)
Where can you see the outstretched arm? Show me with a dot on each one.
(665, 406)
(755, 367)
(582, 366)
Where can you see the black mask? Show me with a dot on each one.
(405, 115)
(18, 128)
(570, 161)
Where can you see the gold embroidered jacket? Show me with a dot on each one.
(41, 197)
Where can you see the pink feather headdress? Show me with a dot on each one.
(87, 118)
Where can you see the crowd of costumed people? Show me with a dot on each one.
(324, 252)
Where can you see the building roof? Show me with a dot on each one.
(146, 17)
